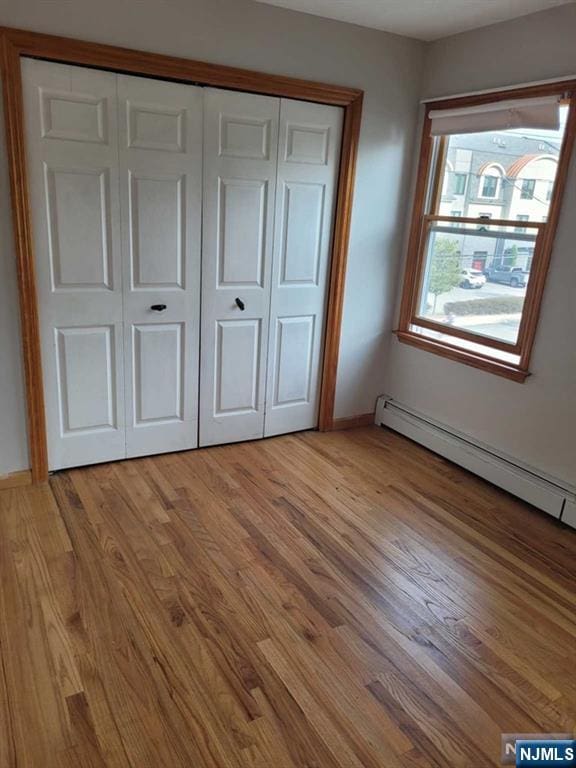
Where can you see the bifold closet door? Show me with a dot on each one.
(72, 150)
(115, 167)
(308, 161)
(130, 178)
(240, 155)
(160, 161)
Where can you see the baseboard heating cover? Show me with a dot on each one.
(547, 493)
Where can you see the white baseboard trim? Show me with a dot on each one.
(545, 493)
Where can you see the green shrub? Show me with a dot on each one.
(498, 305)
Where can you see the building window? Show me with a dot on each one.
(527, 189)
(490, 329)
(489, 186)
(459, 183)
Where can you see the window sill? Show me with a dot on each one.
(489, 365)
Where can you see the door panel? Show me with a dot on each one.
(294, 344)
(86, 374)
(156, 126)
(159, 398)
(71, 133)
(72, 116)
(73, 195)
(302, 241)
(160, 150)
(157, 207)
(240, 148)
(308, 158)
(238, 346)
(242, 221)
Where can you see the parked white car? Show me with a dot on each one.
(472, 278)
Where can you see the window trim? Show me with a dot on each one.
(428, 187)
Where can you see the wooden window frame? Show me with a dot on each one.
(429, 188)
(16, 43)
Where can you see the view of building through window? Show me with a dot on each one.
(476, 275)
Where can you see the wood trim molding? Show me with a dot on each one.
(15, 480)
(411, 271)
(537, 282)
(438, 180)
(101, 56)
(16, 43)
(484, 363)
(461, 333)
(488, 97)
(343, 218)
(438, 218)
(421, 217)
(352, 422)
(23, 243)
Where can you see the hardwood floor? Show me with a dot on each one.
(339, 599)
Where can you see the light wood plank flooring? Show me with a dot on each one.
(339, 600)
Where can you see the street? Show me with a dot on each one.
(503, 329)
(489, 290)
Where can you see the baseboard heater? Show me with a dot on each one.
(546, 493)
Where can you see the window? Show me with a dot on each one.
(527, 189)
(489, 186)
(459, 183)
(475, 276)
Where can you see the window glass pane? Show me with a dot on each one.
(475, 278)
(527, 189)
(489, 186)
(512, 172)
(459, 183)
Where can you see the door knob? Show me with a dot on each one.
(158, 307)
(240, 304)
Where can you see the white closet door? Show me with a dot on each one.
(308, 161)
(240, 154)
(160, 145)
(71, 132)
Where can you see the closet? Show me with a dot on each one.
(182, 240)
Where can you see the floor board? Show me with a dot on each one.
(336, 600)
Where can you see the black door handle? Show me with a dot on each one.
(240, 304)
(158, 307)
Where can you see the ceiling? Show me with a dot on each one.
(423, 19)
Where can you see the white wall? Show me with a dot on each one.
(534, 422)
(256, 36)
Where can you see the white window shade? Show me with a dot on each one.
(542, 113)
